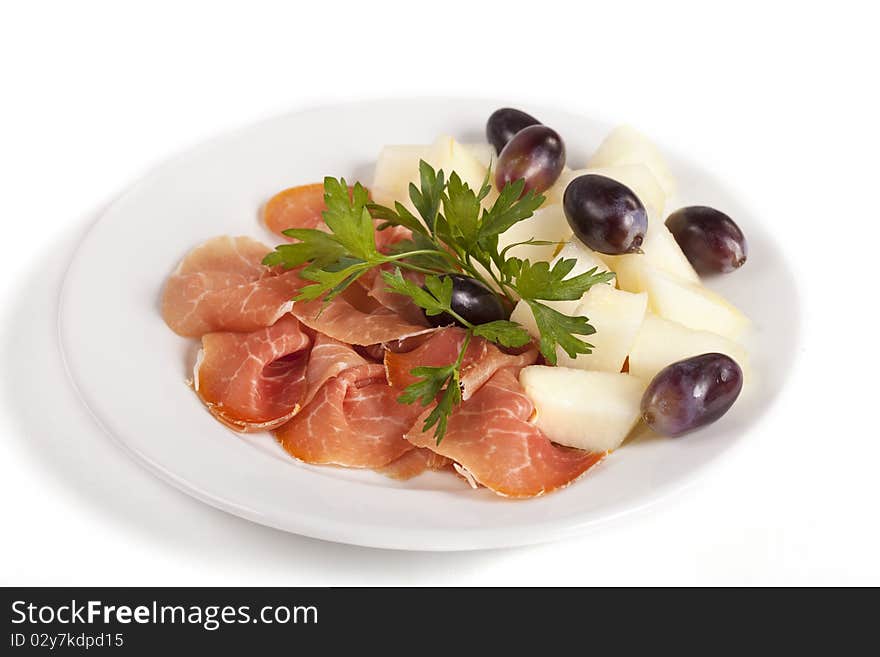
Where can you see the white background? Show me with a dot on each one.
(779, 101)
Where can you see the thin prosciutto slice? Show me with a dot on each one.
(414, 463)
(254, 381)
(296, 207)
(376, 289)
(327, 360)
(343, 321)
(354, 420)
(222, 286)
(491, 438)
(481, 360)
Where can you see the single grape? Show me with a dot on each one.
(710, 239)
(691, 393)
(504, 124)
(536, 154)
(605, 215)
(472, 301)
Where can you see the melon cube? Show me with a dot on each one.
(661, 342)
(594, 411)
(548, 223)
(626, 145)
(694, 306)
(522, 314)
(398, 166)
(617, 317)
(660, 251)
(484, 153)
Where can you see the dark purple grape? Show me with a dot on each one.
(504, 124)
(691, 393)
(605, 215)
(471, 300)
(710, 239)
(536, 154)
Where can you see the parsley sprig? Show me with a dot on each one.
(453, 233)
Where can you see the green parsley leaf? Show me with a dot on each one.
(539, 281)
(429, 384)
(503, 332)
(461, 209)
(329, 283)
(509, 209)
(434, 300)
(314, 246)
(348, 218)
(399, 216)
(440, 415)
(431, 380)
(427, 198)
(441, 288)
(511, 268)
(558, 329)
(486, 187)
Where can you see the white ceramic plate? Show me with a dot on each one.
(130, 369)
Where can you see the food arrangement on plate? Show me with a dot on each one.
(479, 308)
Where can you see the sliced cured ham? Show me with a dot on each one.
(254, 381)
(481, 360)
(232, 255)
(376, 289)
(491, 438)
(354, 420)
(328, 359)
(223, 286)
(414, 463)
(296, 207)
(341, 320)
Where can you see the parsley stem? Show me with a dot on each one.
(400, 260)
(424, 270)
(461, 320)
(468, 266)
(464, 346)
(409, 254)
(503, 287)
(456, 378)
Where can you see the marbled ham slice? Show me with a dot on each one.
(481, 360)
(296, 207)
(414, 463)
(341, 320)
(222, 286)
(490, 436)
(254, 381)
(354, 421)
(328, 359)
(376, 289)
(233, 255)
